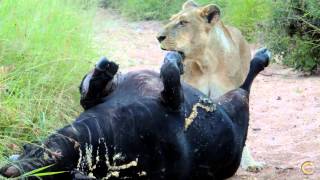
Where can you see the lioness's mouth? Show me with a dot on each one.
(163, 48)
(180, 52)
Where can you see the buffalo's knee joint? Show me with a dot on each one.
(97, 84)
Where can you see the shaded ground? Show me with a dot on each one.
(284, 128)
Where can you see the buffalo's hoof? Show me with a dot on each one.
(107, 66)
(263, 55)
(176, 58)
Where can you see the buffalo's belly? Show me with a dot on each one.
(214, 146)
(167, 149)
(144, 130)
(154, 136)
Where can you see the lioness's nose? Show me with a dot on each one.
(161, 38)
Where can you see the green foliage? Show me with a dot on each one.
(45, 48)
(247, 15)
(152, 9)
(39, 173)
(244, 14)
(294, 32)
(147, 10)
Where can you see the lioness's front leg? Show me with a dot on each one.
(98, 83)
(248, 163)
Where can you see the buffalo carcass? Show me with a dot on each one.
(145, 125)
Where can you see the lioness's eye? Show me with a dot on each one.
(182, 23)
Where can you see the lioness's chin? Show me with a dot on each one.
(166, 48)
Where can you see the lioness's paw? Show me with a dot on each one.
(255, 167)
(248, 163)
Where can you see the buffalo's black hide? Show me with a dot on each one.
(150, 126)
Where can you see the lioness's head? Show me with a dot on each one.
(189, 30)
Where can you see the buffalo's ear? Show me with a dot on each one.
(189, 4)
(211, 13)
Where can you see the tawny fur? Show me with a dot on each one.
(217, 56)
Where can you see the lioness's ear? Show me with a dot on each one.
(211, 12)
(189, 4)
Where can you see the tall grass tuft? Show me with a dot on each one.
(45, 49)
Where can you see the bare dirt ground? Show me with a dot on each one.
(284, 127)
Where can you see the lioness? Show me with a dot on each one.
(217, 56)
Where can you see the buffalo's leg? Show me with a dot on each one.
(258, 63)
(172, 68)
(98, 83)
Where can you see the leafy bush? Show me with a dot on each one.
(244, 14)
(145, 10)
(248, 15)
(45, 47)
(294, 32)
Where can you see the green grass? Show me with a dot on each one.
(40, 172)
(45, 49)
(248, 15)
